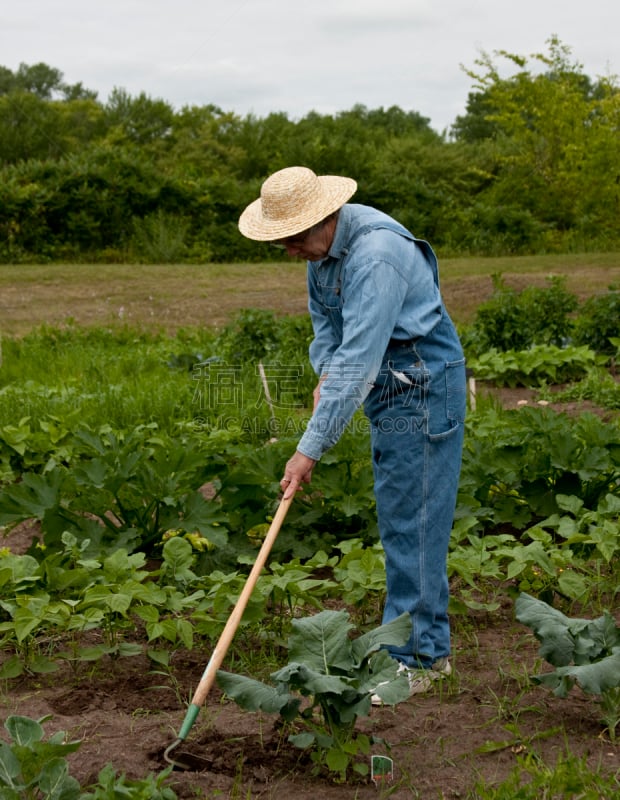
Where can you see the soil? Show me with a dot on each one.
(474, 727)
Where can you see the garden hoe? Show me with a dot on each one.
(186, 760)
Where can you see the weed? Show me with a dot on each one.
(172, 685)
(533, 779)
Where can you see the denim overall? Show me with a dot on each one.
(383, 338)
(417, 410)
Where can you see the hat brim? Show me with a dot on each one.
(335, 191)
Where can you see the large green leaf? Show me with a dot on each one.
(337, 760)
(30, 615)
(572, 584)
(120, 565)
(596, 640)
(595, 678)
(178, 559)
(350, 706)
(554, 630)
(55, 782)
(396, 633)
(10, 768)
(118, 601)
(569, 502)
(194, 513)
(610, 504)
(605, 536)
(302, 740)
(310, 681)
(34, 496)
(43, 665)
(18, 570)
(565, 640)
(321, 642)
(23, 730)
(253, 695)
(385, 680)
(11, 668)
(92, 473)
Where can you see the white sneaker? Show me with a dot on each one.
(420, 680)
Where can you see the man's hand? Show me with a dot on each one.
(298, 470)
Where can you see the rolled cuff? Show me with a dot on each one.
(322, 433)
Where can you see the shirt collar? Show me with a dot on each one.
(341, 234)
(337, 248)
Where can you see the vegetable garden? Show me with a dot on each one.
(139, 472)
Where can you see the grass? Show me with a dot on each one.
(91, 375)
(172, 297)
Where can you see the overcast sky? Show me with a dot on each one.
(259, 56)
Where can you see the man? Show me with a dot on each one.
(382, 338)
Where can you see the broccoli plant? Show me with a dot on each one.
(338, 675)
(585, 652)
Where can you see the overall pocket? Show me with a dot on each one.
(447, 400)
(403, 379)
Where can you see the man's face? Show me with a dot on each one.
(313, 244)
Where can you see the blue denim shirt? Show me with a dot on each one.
(378, 282)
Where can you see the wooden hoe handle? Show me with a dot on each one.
(227, 635)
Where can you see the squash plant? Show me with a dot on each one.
(584, 652)
(338, 674)
(126, 490)
(539, 365)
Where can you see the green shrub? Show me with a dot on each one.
(598, 322)
(159, 238)
(512, 320)
(251, 335)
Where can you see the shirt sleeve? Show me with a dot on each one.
(375, 293)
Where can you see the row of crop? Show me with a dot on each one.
(538, 511)
(517, 320)
(50, 604)
(127, 378)
(252, 380)
(538, 507)
(323, 691)
(536, 501)
(129, 489)
(159, 611)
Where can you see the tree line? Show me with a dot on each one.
(532, 166)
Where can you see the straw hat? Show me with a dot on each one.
(293, 200)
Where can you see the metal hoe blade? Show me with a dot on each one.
(184, 760)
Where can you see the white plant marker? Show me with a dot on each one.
(381, 769)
